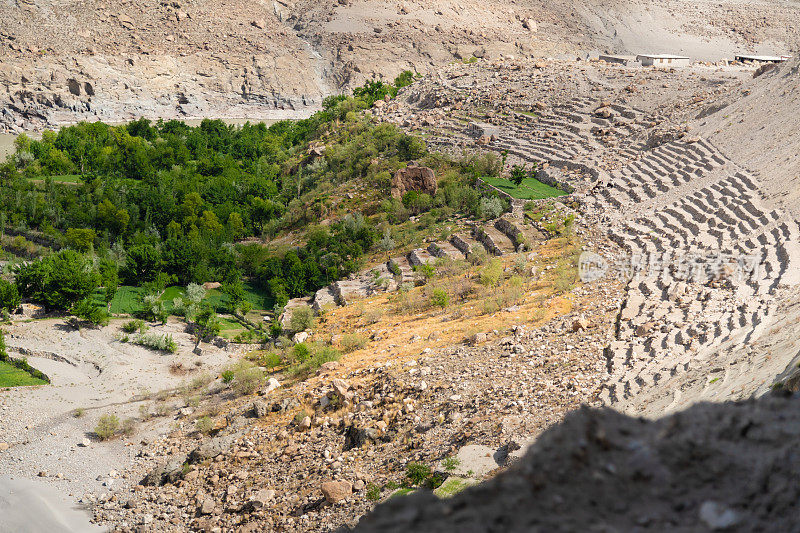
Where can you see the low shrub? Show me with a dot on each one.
(204, 425)
(132, 326)
(492, 273)
(491, 208)
(440, 298)
(373, 492)
(352, 342)
(373, 316)
(320, 354)
(247, 378)
(156, 341)
(107, 426)
(128, 427)
(420, 475)
(302, 318)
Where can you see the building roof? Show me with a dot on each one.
(744, 57)
(662, 56)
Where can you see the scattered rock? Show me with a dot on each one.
(580, 324)
(272, 384)
(261, 409)
(336, 491)
(260, 499)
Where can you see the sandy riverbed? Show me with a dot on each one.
(93, 372)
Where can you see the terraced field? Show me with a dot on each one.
(709, 257)
(11, 376)
(502, 236)
(529, 189)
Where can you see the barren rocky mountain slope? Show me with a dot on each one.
(710, 467)
(603, 471)
(648, 182)
(691, 174)
(66, 61)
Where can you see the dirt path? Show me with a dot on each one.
(28, 506)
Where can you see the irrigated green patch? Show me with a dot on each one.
(11, 376)
(452, 486)
(529, 189)
(128, 299)
(229, 329)
(68, 179)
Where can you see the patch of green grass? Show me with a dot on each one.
(126, 301)
(713, 381)
(11, 376)
(228, 328)
(452, 486)
(529, 189)
(401, 492)
(71, 179)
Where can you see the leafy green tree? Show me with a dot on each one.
(518, 173)
(235, 226)
(206, 325)
(58, 281)
(142, 263)
(109, 279)
(80, 239)
(237, 298)
(9, 296)
(87, 310)
(113, 219)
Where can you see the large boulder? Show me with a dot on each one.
(336, 491)
(414, 178)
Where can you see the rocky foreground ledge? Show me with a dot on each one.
(728, 467)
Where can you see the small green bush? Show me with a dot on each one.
(373, 492)
(450, 463)
(247, 378)
(417, 474)
(491, 208)
(204, 425)
(128, 427)
(490, 274)
(352, 342)
(107, 426)
(132, 326)
(425, 270)
(301, 352)
(440, 298)
(302, 318)
(227, 376)
(157, 342)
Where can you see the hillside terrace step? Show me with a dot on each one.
(323, 299)
(499, 240)
(464, 243)
(445, 249)
(400, 264)
(420, 256)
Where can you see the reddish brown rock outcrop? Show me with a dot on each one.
(414, 178)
